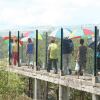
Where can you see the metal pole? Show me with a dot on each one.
(22, 50)
(61, 49)
(18, 51)
(9, 47)
(46, 60)
(95, 50)
(36, 49)
(46, 48)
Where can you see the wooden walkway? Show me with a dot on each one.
(84, 83)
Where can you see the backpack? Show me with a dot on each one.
(53, 51)
(68, 46)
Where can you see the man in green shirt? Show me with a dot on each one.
(52, 56)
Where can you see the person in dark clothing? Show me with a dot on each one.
(67, 49)
(92, 46)
(81, 57)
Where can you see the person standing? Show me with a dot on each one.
(15, 52)
(52, 56)
(30, 52)
(81, 57)
(67, 50)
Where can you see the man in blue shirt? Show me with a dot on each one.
(29, 51)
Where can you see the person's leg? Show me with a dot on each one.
(64, 64)
(14, 57)
(55, 65)
(49, 65)
(84, 68)
(31, 60)
(69, 63)
(98, 64)
(17, 58)
(80, 69)
(27, 59)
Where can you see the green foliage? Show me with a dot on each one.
(10, 84)
(77, 95)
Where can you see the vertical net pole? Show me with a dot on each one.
(22, 50)
(36, 49)
(18, 51)
(46, 48)
(95, 50)
(9, 47)
(61, 65)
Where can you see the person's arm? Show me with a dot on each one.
(33, 48)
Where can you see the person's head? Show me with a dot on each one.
(53, 41)
(16, 41)
(81, 41)
(29, 40)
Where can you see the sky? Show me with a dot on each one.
(48, 13)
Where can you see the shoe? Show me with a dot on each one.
(55, 72)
